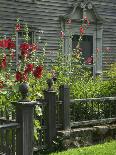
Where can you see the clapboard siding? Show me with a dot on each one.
(44, 15)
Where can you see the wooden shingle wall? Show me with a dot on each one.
(107, 10)
(43, 15)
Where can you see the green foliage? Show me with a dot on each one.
(73, 72)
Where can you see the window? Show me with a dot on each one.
(92, 39)
(86, 45)
(20, 39)
(87, 49)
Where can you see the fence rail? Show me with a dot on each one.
(58, 112)
(8, 138)
(93, 109)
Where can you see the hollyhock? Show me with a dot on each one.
(29, 68)
(38, 72)
(62, 34)
(18, 27)
(25, 47)
(24, 76)
(4, 43)
(7, 43)
(18, 76)
(89, 60)
(86, 21)
(33, 47)
(11, 44)
(82, 30)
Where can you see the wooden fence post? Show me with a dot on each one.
(50, 115)
(64, 96)
(24, 116)
(24, 135)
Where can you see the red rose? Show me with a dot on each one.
(38, 72)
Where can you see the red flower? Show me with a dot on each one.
(24, 47)
(34, 47)
(89, 60)
(18, 76)
(24, 77)
(62, 34)
(7, 43)
(11, 44)
(18, 27)
(29, 68)
(4, 43)
(81, 30)
(3, 62)
(38, 72)
(86, 21)
(21, 76)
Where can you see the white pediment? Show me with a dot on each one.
(82, 9)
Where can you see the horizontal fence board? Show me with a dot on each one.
(94, 99)
(93, 122)
(10, 125)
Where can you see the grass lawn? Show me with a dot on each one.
(101, 149)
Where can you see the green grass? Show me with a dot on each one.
(108, 148)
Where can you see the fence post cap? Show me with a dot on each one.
(49, 91)
(25, 103)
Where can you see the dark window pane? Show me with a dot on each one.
(86, 45)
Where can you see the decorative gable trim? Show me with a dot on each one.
(83, 9)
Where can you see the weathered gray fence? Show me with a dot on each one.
(59, 112)
(62, 113)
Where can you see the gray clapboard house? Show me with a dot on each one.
(50, 17)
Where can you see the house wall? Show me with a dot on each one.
(44, 15)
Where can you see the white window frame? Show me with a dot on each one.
(17, 43)
(93, 30)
